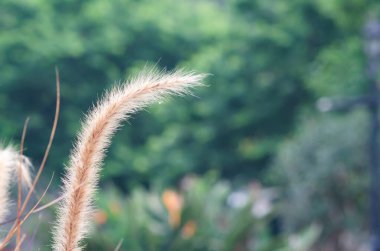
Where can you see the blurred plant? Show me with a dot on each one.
(204, 214)
(324, 178)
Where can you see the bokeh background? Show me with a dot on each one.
(247, 164)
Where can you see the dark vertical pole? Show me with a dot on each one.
(375, 177)
(372, 35)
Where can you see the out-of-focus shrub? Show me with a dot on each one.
(324, 175)
(203, 214)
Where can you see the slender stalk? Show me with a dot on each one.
(33, 184)
(19, 181)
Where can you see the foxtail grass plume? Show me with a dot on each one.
(10, 161)
(82, 172)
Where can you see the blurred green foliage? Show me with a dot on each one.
(269, 61)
